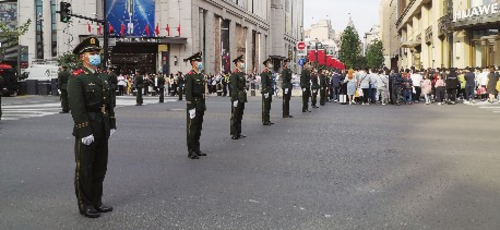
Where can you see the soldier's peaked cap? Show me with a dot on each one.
(90, 44)
(196, 57)
(238, 59)
(267, 60)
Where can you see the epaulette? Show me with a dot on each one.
(265, 71)
(235, 71)
(79, 71)
(191, 72)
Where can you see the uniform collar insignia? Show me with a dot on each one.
(91, 84)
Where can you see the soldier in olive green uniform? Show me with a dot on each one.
(196, 107)
(62, 82)
(322, 85)
(305, 84)
(138, 84)
(1, 94)
(267, 91)
(287, 88)
(238, 97)
(113, 84)
(161, 86)
(314, 89)
(89, 97)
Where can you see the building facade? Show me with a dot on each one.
(322, 32)
(370, 37)
(441, 33)
(156, 35)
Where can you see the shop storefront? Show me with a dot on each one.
(479, 26)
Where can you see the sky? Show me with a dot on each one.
(365, 13)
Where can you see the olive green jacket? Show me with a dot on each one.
(89, 97)
(238, 84)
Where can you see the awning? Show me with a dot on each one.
(411, 44)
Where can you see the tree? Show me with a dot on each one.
(350, 49)
(10, 35)
(374, 55)
(71, 60)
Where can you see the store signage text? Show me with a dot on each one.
(476, 11)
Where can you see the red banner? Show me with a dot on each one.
(312, 55)
(321, 57)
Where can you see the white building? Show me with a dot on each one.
(222, 29)
(370, 37)
(322, 32)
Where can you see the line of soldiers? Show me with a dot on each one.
(90, 98)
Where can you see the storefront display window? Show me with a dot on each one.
(474, 3)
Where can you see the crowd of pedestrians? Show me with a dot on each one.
(408, 86)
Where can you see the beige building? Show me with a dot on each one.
(222, 29)
(440, 33)
(322, 32)
(370, 37)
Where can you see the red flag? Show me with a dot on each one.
(99, 29)
(179, 30)
(122, 29)
(89, 27)
(111, 29)
(168, 30)
(147, 30)
(157, 29)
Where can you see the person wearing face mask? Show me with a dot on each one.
(305, 84)
(139, 85)
(287, 88)
(238, 97)
(89, 96)
(196, 107)
(267, 92)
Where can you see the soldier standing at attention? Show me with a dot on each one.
(267, 92)
(238, 97)
(322, 85)
(305, 84)
(113, 84)
(62, 83)
(138, 84)
(161, 87)
(314, 88)
(89, 97)
(196, 107)
(287, 88)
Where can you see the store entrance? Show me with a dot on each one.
(128, 57)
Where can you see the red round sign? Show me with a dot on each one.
(301, 45)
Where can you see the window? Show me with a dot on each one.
(474, 3)
(39, 29)
(53, 29)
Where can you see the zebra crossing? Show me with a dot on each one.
(47, 107)
(490, 107)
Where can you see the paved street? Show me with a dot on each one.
(340, 167)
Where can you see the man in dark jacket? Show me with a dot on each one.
(470, 85)
(397, 80)
(452, 85)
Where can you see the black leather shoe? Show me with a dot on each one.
(104, 208)
(242, 136)
(235, 137)
(266, 124)
(315, 107)
(290, 116)
(200, 153)
(193, 155)
(90, 213)
(270, 123)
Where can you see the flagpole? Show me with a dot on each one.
(105, 45)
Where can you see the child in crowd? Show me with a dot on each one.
(427, 89)
(440, 89)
